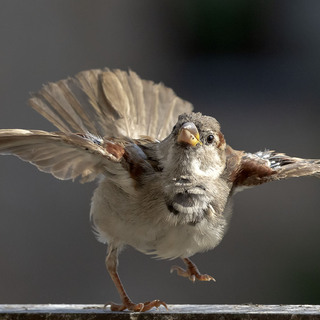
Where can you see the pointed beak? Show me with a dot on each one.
(189, 134)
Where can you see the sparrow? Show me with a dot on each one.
(166, 175)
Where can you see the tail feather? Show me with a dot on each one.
(110, 103)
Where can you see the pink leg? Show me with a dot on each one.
(192, 272)
(112, 264)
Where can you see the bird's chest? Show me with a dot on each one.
(191, 198)
(191, 189)
(187, 203)
(195, 228)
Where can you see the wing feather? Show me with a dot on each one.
(265, 166)
(64, 155)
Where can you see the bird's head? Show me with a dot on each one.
(196, 130)
(195, 138)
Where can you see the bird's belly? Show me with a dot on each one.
(186, 240)
(153, 229)
(165, 241)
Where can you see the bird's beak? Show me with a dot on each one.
(189, 134)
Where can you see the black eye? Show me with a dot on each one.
(210, 138)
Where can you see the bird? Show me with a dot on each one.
(166, 176)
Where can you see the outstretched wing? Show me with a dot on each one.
(251, 169)
(110, 103)
(68, 155)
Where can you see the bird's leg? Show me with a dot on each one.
(112, 264)
(191, 272)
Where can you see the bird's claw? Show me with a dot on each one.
(139, 307)
(192, 275)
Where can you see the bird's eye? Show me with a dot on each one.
(210, 138)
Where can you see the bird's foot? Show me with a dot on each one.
(192, 273)
(139, 307)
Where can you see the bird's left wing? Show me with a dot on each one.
(66, 155)
(250, 169)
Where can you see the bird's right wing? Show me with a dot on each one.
(110, 103)
(68, 156)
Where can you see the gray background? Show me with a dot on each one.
(254, 65)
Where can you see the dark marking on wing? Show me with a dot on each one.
(252, 172)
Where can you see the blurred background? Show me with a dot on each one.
(254, 65)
